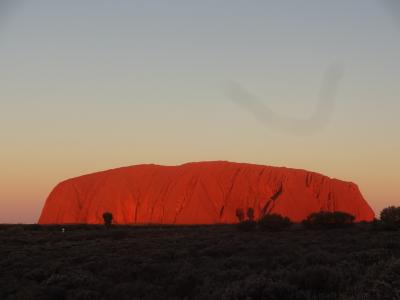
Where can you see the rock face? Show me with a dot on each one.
(199, 193)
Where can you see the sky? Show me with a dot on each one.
(93, 85)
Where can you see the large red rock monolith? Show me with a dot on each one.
(199, 193)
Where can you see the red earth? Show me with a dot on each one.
(199, 193)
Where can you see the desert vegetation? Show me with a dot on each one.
(274, 222)
(317, 220)
(108, 218)
(328, 220)
(390, 218)
(361, 261)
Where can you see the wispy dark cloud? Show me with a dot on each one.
(298, 126)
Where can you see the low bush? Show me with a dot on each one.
(274, 222)
(317, 278)
(54, 292)
(390, 218)
(328, 220)
(258, 286)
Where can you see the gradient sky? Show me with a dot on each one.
(93, 85)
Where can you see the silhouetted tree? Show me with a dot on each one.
(240, 214)
(250, 214)
(391, 214)
(107, 217)
(390, 217)
(246, 225)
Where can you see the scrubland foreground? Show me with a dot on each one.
(197, 262)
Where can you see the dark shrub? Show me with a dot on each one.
(184, 283)
(68, 279)
(342, 219)
(240, 214)
(54, 292)
(318, 278)
(83, 294)
(108, 217)
(250, 214)
(383, 280)
(274, 222)
(251, 287)
(390, 217)
(135, 289)
(259, 287)
(328, 220)
(247, 225)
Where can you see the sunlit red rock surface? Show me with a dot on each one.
(199, 193)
